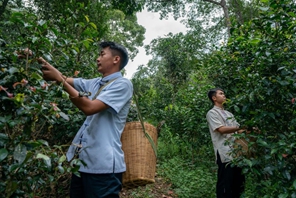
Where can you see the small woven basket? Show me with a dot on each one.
(243, 147)
(139, 155)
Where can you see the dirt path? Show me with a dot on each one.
(159, 189)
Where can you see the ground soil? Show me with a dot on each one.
(160, 189)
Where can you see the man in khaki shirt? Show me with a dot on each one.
(222, 125)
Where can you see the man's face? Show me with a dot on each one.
(219, 97)
(105, 61)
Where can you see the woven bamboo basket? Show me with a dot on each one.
(139, 155)
(244, 148)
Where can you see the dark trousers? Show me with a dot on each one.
(231, 181)
(96, 185)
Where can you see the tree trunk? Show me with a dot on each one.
(222, 3)
(2, 7)
(237, 9)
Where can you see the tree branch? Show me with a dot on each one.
(214, 2)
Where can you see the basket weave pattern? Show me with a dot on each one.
(245, 150)
(139, 155)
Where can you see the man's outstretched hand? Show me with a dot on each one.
(249, 130)
(50, 73)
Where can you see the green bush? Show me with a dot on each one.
(256, 69)
(189, 180)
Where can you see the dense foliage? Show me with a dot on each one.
(37, 120)
(257, 69)
(254, 65)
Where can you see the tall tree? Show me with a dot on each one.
(208, 15)
(3, 7)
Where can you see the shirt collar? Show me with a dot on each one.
(216, 107)
(112, 76)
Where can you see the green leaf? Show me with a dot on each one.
(284, 83)
(51, 178)
(43, 142)
(41, 22)
(13, 70)
(62, 159)
(11, 187)
(255, 41)
(286, 174)
(48, 57)
(3, 139)
(65, 116)
(14, 167)
(271, 115)
(264, 8)
(2, 119)
(45, 158)
(20, 153)
(292, 14)
(55, 31)
(280, 156)
(76, 50)
(280, 68)
(283, 195)
(3, 136)
(34, 39)
(240, 38)
(87, 19)
(65, 95)
(263, 143)
(86, 44)
(273, 151)
(33, 143)
(267, 53)
(236, 108)
(294, 184)
(36, 76)
(90, 40)
(249, 162)
(93, 25)
(61, 169)
(3, 154)
(269, 170)
(28, 157)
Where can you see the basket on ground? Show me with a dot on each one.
(140, 157)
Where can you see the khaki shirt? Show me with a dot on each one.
(216, 118)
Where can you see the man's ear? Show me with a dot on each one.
(116, 60)
(214, 98)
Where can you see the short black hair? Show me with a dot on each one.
(117, 49)
(213, 92)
